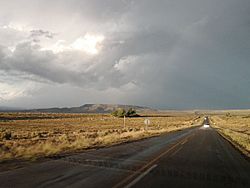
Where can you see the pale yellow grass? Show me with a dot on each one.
(38, 135)
(235, 127)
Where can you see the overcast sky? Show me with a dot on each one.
(171, 54)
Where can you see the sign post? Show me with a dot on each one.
(124, 119)
(146, 122)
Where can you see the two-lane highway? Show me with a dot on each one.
(197, 157)
(204, 160)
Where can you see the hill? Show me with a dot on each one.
(92, 108)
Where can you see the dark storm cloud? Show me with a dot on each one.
(43, 64)
(176, 54)
(39, 32)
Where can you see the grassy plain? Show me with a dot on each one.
(235, 125)
(36, 135)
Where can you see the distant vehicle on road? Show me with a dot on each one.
(206, 126)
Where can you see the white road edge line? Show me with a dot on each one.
(140, 177)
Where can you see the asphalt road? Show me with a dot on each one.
(195, 157)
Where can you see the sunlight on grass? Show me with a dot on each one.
(235, 127)
(34, 135)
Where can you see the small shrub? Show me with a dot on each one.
(7, 136)
(131, 112)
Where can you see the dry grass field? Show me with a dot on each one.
(35, 135)
(235, 125)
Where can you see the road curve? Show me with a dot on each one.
(197, 157)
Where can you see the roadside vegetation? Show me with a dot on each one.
(36, 135)
(234, 126)
(121, 112)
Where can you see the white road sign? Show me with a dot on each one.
(146, 121)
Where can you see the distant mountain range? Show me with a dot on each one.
(87, 108)
(9, 109)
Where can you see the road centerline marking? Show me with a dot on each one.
(184, 142)
(176, 151)
(150, 163)
(140, 176)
